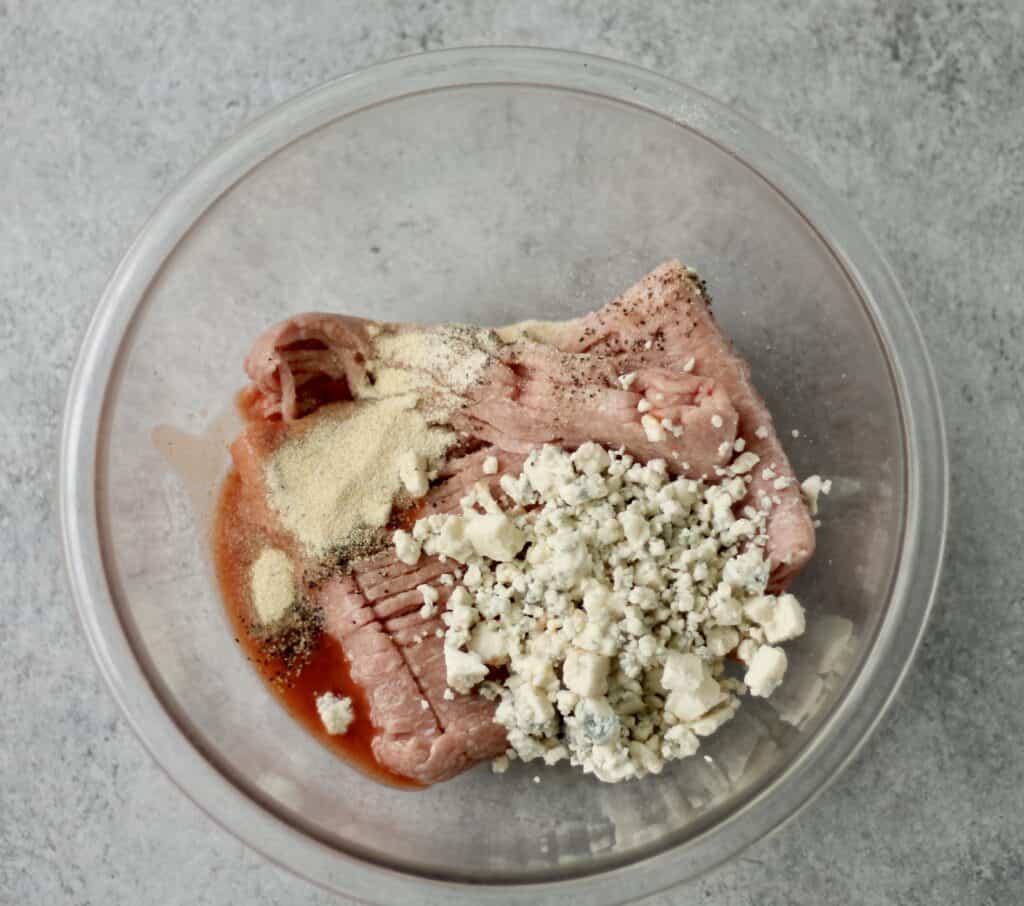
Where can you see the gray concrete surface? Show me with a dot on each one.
(913, 111)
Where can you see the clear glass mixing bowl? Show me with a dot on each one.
(492, 185)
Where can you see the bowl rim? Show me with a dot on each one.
(867, 695)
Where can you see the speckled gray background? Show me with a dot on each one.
(913, 111)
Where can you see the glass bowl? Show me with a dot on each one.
(492, 185)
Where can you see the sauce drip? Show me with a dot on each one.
(237, 541)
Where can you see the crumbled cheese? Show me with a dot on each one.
(812, 487)
(644, 406)
(494, 535)
(682, 671)
(591, 459)
(626, 380)
(335, 713)
(716, 421)
(611, 594)
(406, 547)
(585, 673)
(691, 704)
(744, 463)
(489, 643)
(490, 465)
(689, 364)
(762, 432)
(464, 669)
(766, 670)
(428, 593)
(652, 428)
(795, 432)
(430, 597)
(781, 618)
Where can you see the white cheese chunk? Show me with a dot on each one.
(682, 671)
(591, 459)
(744, 463)
(428, 593)
(781, 618)
(812, 487)
(532, 707)
(679, 742)
(721, 640)
(407, 548)
(766, 671)
(689, 704)
(494, 535)
(653, 428)
(450, 541)
(463, 669)
(490, 642)
(335, 713)
(635, 527)
(585, 673)
(787, 622)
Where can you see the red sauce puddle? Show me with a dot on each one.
(237, 541)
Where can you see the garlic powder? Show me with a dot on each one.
(343, 472)
(272, 585)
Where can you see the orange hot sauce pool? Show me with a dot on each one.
(237, 541)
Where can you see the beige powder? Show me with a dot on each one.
(389, 380)
(453, 355)
(342, 474)
(547, 332)
(272, 584)
(340, 477)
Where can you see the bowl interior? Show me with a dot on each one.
(490, 204)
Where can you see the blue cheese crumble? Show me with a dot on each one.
(611, 595)
(335, 712)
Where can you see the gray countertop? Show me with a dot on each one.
(913, 111)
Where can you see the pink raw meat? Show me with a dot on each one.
(669, 309)
(375, 614)
(660, 332)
